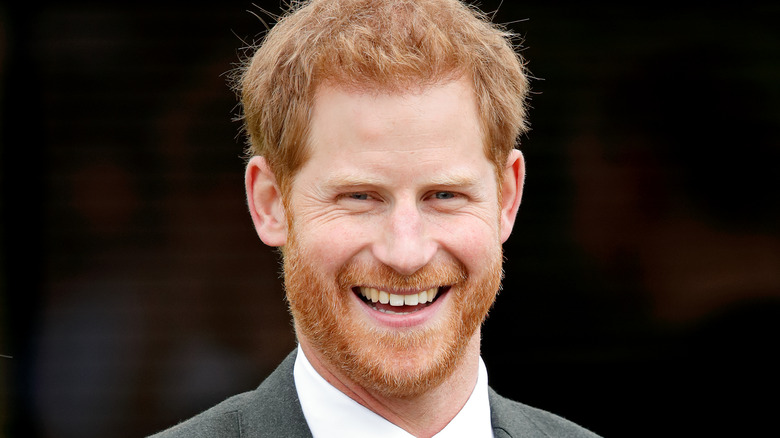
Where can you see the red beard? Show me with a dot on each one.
(393, 362)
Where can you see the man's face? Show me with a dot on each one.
(394, 251)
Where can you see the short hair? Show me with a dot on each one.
(385, 45)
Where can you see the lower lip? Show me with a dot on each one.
(412, 319)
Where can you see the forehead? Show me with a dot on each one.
(440, 115)
(417, 136)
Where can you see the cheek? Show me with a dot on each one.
(472, 245)
(333, 244)
(479, 250)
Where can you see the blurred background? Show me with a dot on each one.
(642, 291)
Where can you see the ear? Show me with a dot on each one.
(511, 191)
(265, 203)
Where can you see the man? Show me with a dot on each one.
(383, 165)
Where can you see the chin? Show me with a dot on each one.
(368, 350)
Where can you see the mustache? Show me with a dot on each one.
(384, 277)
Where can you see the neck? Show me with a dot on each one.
(423, 415)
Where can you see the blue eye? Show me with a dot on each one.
(359, 196)
(443, 195)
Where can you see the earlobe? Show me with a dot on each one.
(265, 202)
(511, 191)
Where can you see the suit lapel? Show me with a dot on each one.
(275, 410)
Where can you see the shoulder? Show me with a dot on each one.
(512, 419)
(271, 410)
(222, 420)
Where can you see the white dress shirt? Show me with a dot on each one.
(332, 414)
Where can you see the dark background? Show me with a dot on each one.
(643, 276)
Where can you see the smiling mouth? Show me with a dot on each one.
(399, 304)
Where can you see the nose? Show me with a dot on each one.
(403, 244)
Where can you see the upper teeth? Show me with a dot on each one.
(375, 295)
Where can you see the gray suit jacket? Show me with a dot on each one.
(273, 410)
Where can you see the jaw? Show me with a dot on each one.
(420, 385)
(400, 354)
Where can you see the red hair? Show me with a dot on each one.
(384, 45)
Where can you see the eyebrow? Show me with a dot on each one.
(348, 180)
(447, 180)
(455, 180)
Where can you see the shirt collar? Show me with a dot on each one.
(332, 414)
